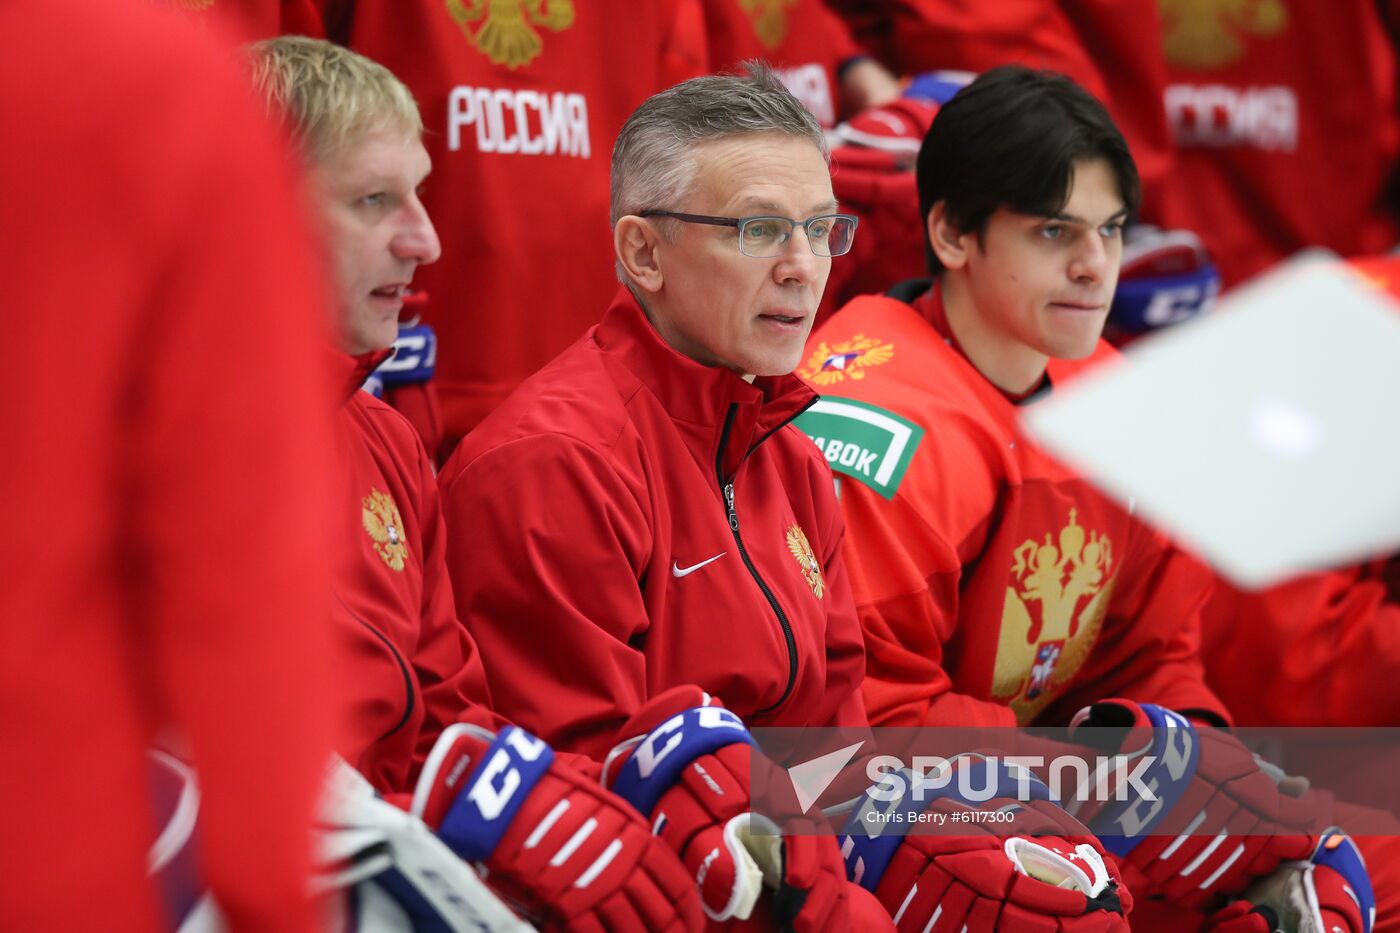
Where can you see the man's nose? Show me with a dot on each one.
(1090, 261)
(416, 238)
(798, 265)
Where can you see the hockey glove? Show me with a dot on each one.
(1038, 870)
(1166, 276)
(569, 854)
(897, 128)
(686, 765)
(1329, 893)
(1222, 817)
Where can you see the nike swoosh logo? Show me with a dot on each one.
(678, 572)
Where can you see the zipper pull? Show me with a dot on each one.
(729, 507)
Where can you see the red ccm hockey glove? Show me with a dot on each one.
(686, 764)
(1329, 893)
(1222, 817)
(567, 853)
(1010, 858)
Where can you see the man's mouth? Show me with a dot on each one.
(787, 319)
(395, 292)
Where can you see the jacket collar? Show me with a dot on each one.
(930, 305)
(699, 395)
(926, 297)
(351, 371)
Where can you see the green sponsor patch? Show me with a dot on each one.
(862, 441)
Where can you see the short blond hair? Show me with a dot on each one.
(329, 96)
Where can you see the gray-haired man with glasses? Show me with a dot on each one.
(641, 516)
(764, 237)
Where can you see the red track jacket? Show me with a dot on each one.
(596, 561)
(412, 669)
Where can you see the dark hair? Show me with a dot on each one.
(1010, 139)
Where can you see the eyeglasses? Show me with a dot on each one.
(764, 237)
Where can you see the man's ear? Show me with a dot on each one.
(634, 243)
(949, 243)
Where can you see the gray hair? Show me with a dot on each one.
(653, 161)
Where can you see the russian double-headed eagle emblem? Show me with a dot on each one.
(848, 359)
(194, 4)
(801, 550)
(1205, 34)
(508, 35)
(385, 528)
(1055, 604)
(770, 19)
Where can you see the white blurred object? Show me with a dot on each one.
(380, 868)
(1265, 435)
(405, 877)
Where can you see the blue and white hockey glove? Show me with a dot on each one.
(1222, 818)
(414, 360)
(1166, 276)
(570, 854)
(1329, 893)
(687, 763)
(1007, 858)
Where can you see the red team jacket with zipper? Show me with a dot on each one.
(411, 670)
(994, 586)
(630, 520)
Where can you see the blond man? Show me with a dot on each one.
(568, 853)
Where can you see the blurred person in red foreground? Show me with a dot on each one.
(810, 50)
(422, 731)
(165, 570)
(247, 20)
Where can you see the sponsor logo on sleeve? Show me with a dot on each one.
(862, 441)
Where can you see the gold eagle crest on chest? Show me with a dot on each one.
(507, 35)
(194, 4)
(1206, 34)
(846, 359)
(1053, 611)
(801, 550)
(384, 526)
(770, 19)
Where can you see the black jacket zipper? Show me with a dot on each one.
(403, 669)
(727, 487)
